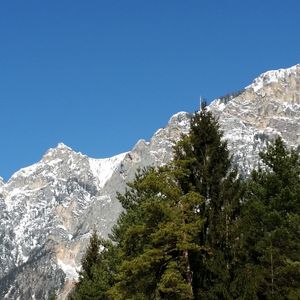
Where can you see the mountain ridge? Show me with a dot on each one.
(49, 208)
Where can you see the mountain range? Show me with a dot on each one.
(47, 210)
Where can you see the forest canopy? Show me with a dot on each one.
(195, 230)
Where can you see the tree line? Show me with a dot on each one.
(195, 230)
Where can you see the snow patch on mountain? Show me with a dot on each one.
(70, 269)
(181, 119)
(25, 172)
(103, 169)
(63, 146)
(272, 76)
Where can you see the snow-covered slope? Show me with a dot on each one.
(269, 107)
(47, 210)
(46, 207)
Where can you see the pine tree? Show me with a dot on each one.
(98, 265)
(270, 227)
(158, 231)
(203, 165)
(91, 256)
(174, 238)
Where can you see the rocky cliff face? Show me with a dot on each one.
(269, 107)
(47, 210)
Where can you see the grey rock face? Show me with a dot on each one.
(267, 108)
(47, 210)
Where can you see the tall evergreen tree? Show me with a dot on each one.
(173, 240)
(154, 237)
(98, 268)
(270, 229)
(203, 165)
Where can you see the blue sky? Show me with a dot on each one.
(99, 75)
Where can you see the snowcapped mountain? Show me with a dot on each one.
(269, 107)
(47, 210)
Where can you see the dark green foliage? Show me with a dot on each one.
(98, 265)
(202, 165)
(154, 237)
(270, 229)
(193, 230)
(228, 97)
(91, 257)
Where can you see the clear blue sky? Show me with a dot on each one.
(100, 74)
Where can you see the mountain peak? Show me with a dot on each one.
(180, 119)
(273, 76)
(63, 146)
(60, 149)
